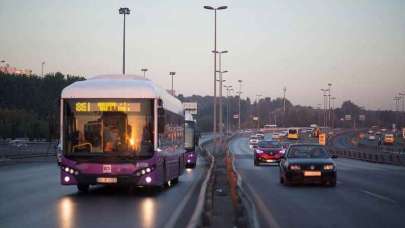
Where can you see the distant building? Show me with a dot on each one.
(7, 69)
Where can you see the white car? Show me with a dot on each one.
(371, 137)
(276, 135)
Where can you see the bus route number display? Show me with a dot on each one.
(107, 107)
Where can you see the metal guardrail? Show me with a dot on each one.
(27, 150)
(377, 157)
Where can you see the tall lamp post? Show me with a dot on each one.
(239, 94)
(284, 117)
(215, 63)
(220, 88)
(333, 112)
(258, 109)
(172, 74)
(228, 88)
(402, 95)
(42, 68)
(329, 96)
(324, 95)
(144, 72)
(124, 11)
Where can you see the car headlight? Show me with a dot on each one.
(259, 151)
(328, 167)
(295, 167)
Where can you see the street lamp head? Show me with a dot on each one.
(124, 11)
(209, 7)
(223, 52)
(144, 69)
(240, 81)
(172, 73)
(329, 84)
(222, 7)
(225, 71)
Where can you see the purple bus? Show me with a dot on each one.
(191, 140)
(120, 129)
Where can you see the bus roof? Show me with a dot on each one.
(122, 86)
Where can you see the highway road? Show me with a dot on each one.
(366, 195)
(31, 196)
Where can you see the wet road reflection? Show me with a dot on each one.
(62, 206)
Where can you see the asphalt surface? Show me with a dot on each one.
(366, 195)
(31, 196)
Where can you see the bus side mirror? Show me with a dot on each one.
(161, 120)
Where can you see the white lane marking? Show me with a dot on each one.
(378, 196)
(179, 209)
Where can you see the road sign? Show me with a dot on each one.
(236, 116)
(255, 118)
(348, 117)
(322, 138)
(191, 107)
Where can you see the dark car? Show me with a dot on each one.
(307, 163)
(268, 151)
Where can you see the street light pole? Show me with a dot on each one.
(220, 89)
(239, 94)
(144, 72)
(227, 87)
(215, 63)
(172, 74)
(324, 106)
(329, 94)
(258, 109)
(284, 117)
(402, 95)
(124, 11)
(333, 112)
(42, 68)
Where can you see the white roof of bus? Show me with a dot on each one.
(121, 86)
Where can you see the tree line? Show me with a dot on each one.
(29, 107)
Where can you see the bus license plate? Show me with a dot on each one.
(312, 173)
(106, 180)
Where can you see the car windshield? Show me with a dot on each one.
(307, 152)
(269, 144)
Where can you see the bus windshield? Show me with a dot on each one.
(292, 131)
(104, 127)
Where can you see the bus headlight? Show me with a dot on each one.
(144, 171)
(148, 179)
(66, 179)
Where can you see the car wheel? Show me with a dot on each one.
(83, 187)
(332, 183)
(281, 180)
(256, 163)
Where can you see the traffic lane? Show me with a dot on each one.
(31, 195)
(353, 203)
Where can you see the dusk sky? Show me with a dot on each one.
(358, 46)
